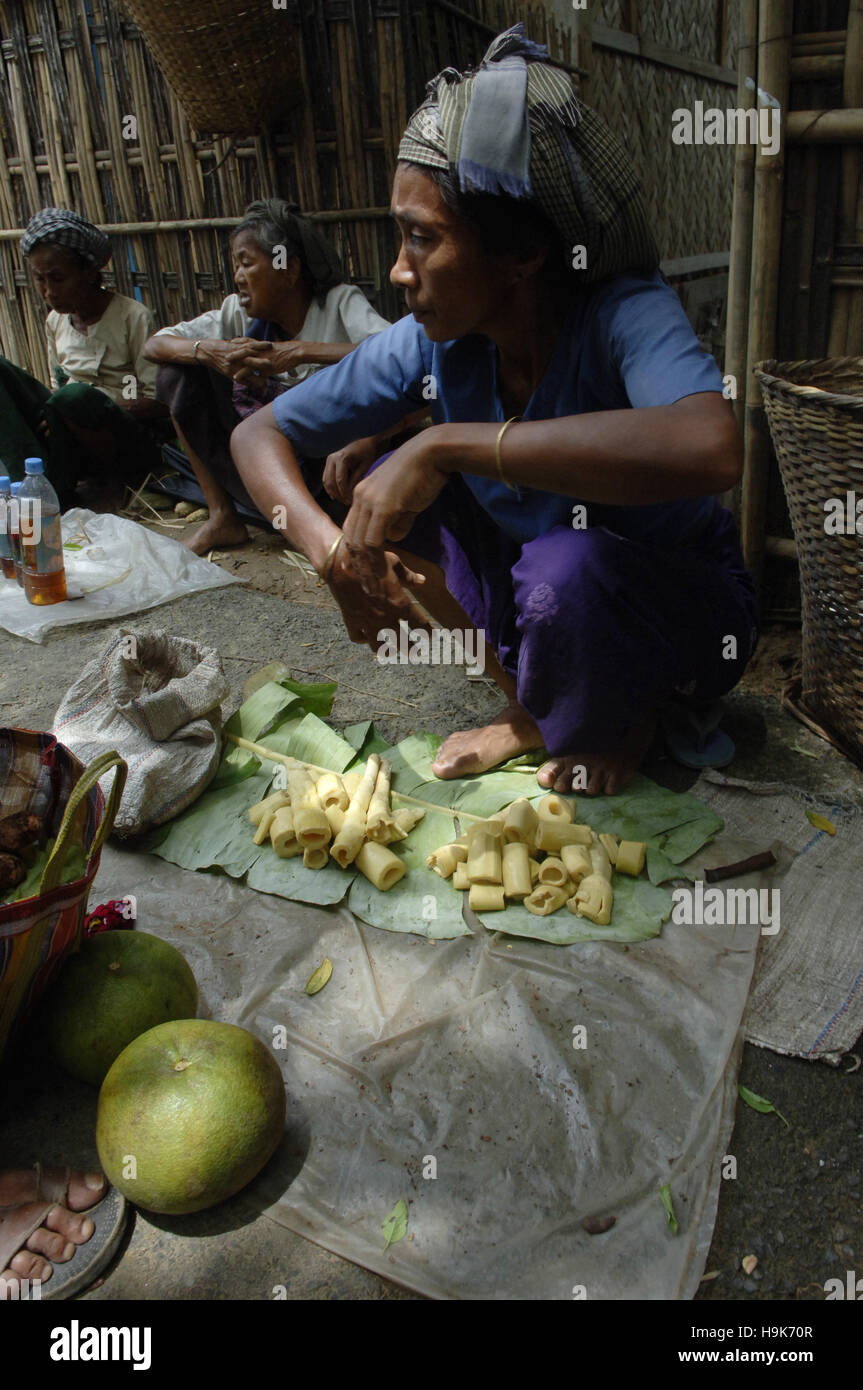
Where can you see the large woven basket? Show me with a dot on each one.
(235, 66)
(815, 413)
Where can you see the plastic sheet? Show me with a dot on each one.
(453, 1074)
(117, 567)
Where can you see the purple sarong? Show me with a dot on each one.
(599, 631)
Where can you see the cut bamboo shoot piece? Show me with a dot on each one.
(351, 780)
(545, 899)
(593, 899)
(445, 860)
(460, 880)
(631, 855)
(599, 861)
(553, 835)
(516, 871)
(535, 867)
(379, 819)
(577, 862)
(486, 897)
(263, 829)
(351, 837)
(484, 859)
(315, 858)
(331, 791)
(553, 871)
(336, 817)
(269, 803)
(494, 828)
(311, 826)
(521, 822)
(282, 836)
(554, 808)
(609, 844)
(380, 866)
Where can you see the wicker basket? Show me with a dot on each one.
(235, 67)
(818, 438)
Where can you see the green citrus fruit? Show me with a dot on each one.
(189, 1114)
(120, 984)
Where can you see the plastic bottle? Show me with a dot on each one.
(41, 537)
(14, 537)
(7, 564)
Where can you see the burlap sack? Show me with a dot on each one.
(156, 699)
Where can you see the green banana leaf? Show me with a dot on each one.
(282, 715)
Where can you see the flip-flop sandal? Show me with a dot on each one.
(17, 1224)
(694, 737)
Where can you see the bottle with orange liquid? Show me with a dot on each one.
(7, 564)
(43, 569)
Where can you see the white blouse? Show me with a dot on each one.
(108, 352)
(346, 316)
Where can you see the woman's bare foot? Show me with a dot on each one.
(476, 750)
(222, 528)
(62, 1230)
(599, 774)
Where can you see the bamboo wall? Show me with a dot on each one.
(796, 288)
(72, 70)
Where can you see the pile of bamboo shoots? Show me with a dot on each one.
(498, 859)
(347, 818)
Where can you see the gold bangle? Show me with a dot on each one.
(330, 556)
(500, 436)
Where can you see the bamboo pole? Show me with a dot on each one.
(828, 66)
(774, 58)
(846, 300)
(832, 127)
(740, 267)
(855, 333)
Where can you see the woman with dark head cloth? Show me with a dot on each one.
(97, 417)
(567, 488)
(291, 315)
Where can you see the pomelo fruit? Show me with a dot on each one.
(188, 1114)
(120, 984)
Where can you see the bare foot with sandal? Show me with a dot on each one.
(44, 1222)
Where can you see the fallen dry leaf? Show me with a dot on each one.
(748, 1263)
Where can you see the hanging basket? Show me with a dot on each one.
(235, 67)
(815, 413)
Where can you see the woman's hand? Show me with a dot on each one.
(344, 468)
(225, 355)
(385, 505)
(270, 359)
(365, 616)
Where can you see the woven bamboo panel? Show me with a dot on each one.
(690, 28)
(637, 99)
(72, 70)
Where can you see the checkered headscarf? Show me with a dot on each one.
(68, 229)
(515, 126)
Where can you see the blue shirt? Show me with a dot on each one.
(625, 342)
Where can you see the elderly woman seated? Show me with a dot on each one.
(567, 490)
(292, 314)
(96, 421)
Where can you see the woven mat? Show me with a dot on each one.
(807, 992)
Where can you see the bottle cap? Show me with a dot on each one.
(16, 488)
(5, 483)
(34, 466)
